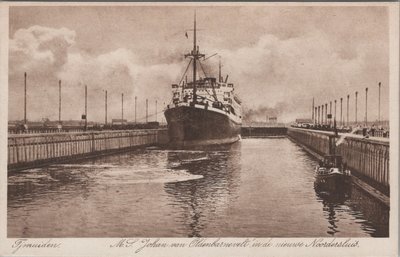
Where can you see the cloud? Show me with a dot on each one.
(289, 72)
(39, 49)
(120, 72)
(47, 55)
(274, 73)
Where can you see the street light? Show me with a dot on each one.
(156, 110)
(85, 107)
(341, 110)
(356, 106)
(366, 106)
(59, 102)
(335, 109)
(315, 115)
(312, 114)
(147, 107)
(330, 112)
(322, 115)
(105, 108)
(25, 99)
(122, 108)
(379, 105)
(135, 108)
(348, 98)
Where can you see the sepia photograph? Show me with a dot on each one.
(199, 121)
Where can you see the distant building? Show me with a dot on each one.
(118, 121)
(257, 124)
(303, 121)
(272, 120)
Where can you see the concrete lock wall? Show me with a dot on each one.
(29, 150)
(367, 158)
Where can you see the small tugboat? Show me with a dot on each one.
(331, 174)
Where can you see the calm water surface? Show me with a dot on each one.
(254, 188)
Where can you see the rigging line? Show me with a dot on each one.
(150, 115)
(210, 56)
(203, 69)
(187, 68)
(204, 75)
(185, 71)
(213, 95)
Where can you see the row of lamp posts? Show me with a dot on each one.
(321, 116)
(84, 116)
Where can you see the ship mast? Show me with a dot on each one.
(219, 73)
(195, 54)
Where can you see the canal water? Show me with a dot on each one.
(253, 188)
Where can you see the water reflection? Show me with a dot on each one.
(50, 183)
(203, 199)
(364, 210)
(371, 213)
(332, 201)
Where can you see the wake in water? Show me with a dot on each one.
(145, 176)
(105, 166)
(114, 174)
(195, 159)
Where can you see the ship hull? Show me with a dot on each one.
(192, 126)
(332, 182)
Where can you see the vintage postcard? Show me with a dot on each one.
(199, 129)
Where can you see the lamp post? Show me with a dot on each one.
(59, 102)
(330, 112)
(341, 111)
(366, 106)
(356, 106)
(322, 115)
(347, 111)
(379, 105)
(147, 107)
(312, 114)
(156, 110)
(135, 108)
(315, 115)
(105, 108)
(122, 108)
(25, 99)
(335, 109)
(85, 107)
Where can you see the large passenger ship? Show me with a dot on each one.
(204, 111)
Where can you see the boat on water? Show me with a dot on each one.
(331, 174)
(205, 110)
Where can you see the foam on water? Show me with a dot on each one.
(175, 151)
(86, 165)
(149, 175)
(195, 159)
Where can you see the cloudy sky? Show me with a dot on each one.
(278, 57)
